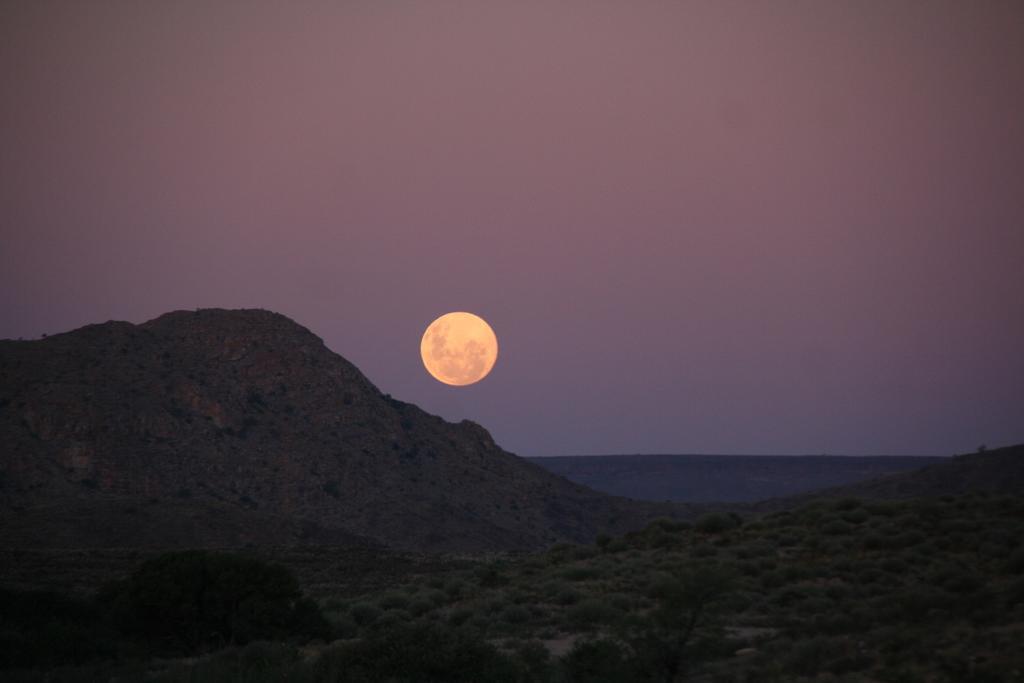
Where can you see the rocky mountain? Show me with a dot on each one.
(218, 427)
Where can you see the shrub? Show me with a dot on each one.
(856, 516)
(535, 659)
(393, 600)
(420, 607)
(704, 550)
(515, 614)
(568, 596)
(884, 509)
(961, 582)
(256, 662)
(417, 654)
(592, 612)
(716, 522)
(391, 619)
(755, 549)
(39, 627)
(491, 575)
(364, 613)
(811, 656)
(617, 546)
(876, 542)
(918, 601)
(1015, 563)
(193, 600)
(597, 661)
(344, 626)
(1015, 593)
(455, 588)
(835, 527)
(459, 616)
(580, 573)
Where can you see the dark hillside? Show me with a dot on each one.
(217, 427)
(998, 471)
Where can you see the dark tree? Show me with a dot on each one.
(195, 600)
(685, 605)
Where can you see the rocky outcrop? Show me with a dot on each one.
(246, 424)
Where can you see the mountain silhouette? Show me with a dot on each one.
(227, 427)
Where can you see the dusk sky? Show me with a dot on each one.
(696, 227)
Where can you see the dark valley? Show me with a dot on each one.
(729, 478)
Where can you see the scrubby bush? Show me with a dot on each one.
(391, 619)
(580, 573)
(617, 546)
(419, 607)
(363, 613)
(515, 614)
(1015, 562)
(436, 597)
(704, 550)
(831, 606)
(835, 527)
(459, 616)
(393, 600)
(194, 600)
(413, 654)
(343, 626)
(491, 575)
(598, 661)
(44, 627)
(716, 522)
(590, 613)
(568, 596)
(256, 662)
(755, 549)
(455, 588)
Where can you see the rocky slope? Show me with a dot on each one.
(217, 427)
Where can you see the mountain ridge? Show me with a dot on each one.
(247, 420)
(998, 471)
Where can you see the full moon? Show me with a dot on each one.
(459, 348)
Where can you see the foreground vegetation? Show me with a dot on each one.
(843, 590)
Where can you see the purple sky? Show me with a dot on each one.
(732, 227)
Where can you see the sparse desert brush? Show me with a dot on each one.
(393, 600)
(515, 614)
(717, 522)
(567, 596)
(459, 615)
(419, 607)
(364, 613)
(257, 662)
(455, 588)
(591, 613)
(1015, 562)
(579, 572)
(799, 594)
